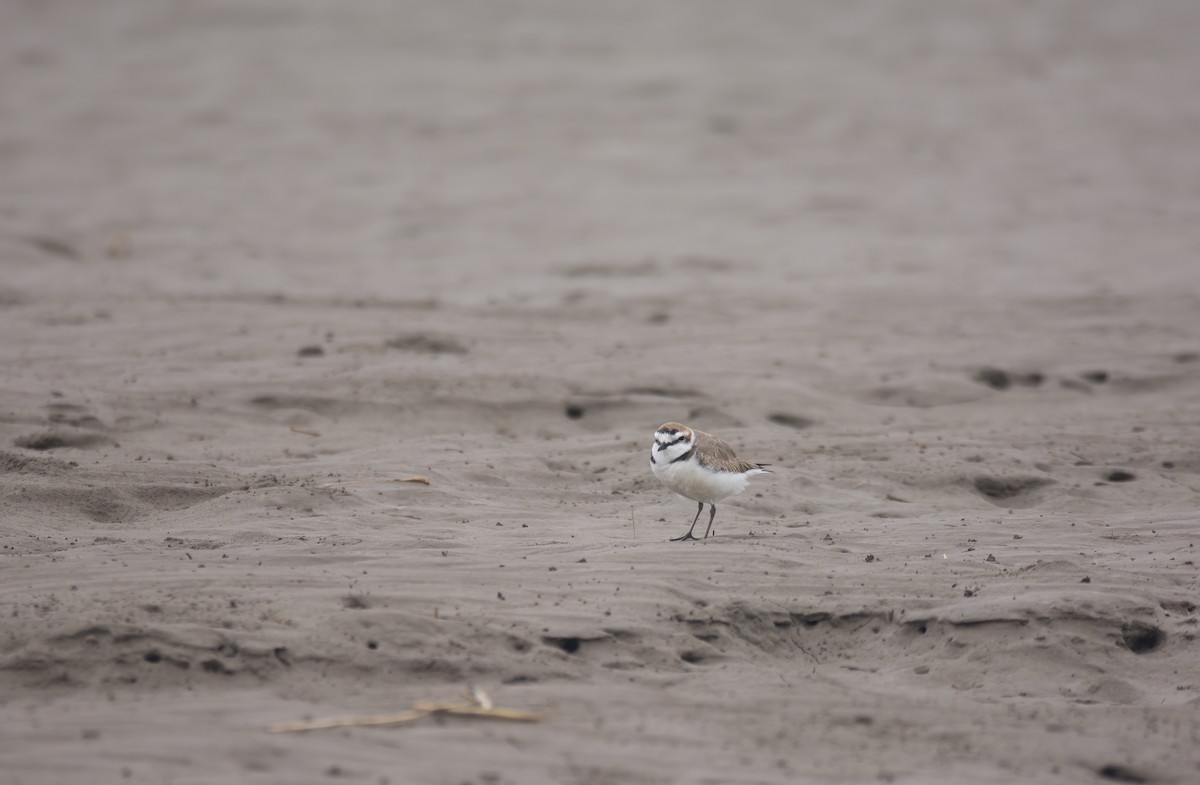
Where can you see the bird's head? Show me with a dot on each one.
(672, 440)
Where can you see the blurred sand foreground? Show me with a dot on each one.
(936, 262)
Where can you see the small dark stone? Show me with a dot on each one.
(870, 558)
(1095, 377)
(570, 645)
(53, 440)
(790, 420)
(1085, 579)
(1140, 637)
(427, 344)
(1118, 773)
(1008, 487)
(214, 666)
(1120, 475)
(994, 378)
(310, 351)
(574, 412)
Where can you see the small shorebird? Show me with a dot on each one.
(700, 467)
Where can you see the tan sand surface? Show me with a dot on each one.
(936, 262)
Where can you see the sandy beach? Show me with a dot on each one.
(336, 335)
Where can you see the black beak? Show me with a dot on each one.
(662, 446)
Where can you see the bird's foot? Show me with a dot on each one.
(687, 536)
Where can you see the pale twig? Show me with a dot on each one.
(480, 705)
(516, 715)
(365, 720)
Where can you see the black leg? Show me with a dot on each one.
(689, 536)
(712, 514)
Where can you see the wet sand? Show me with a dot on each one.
(937, 265)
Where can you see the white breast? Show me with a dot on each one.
(692, 481)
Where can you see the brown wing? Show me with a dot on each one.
(716, 454)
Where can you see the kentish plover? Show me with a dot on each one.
(700, 467)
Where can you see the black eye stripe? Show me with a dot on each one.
(679, 440)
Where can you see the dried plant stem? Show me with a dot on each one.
(420, 709)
